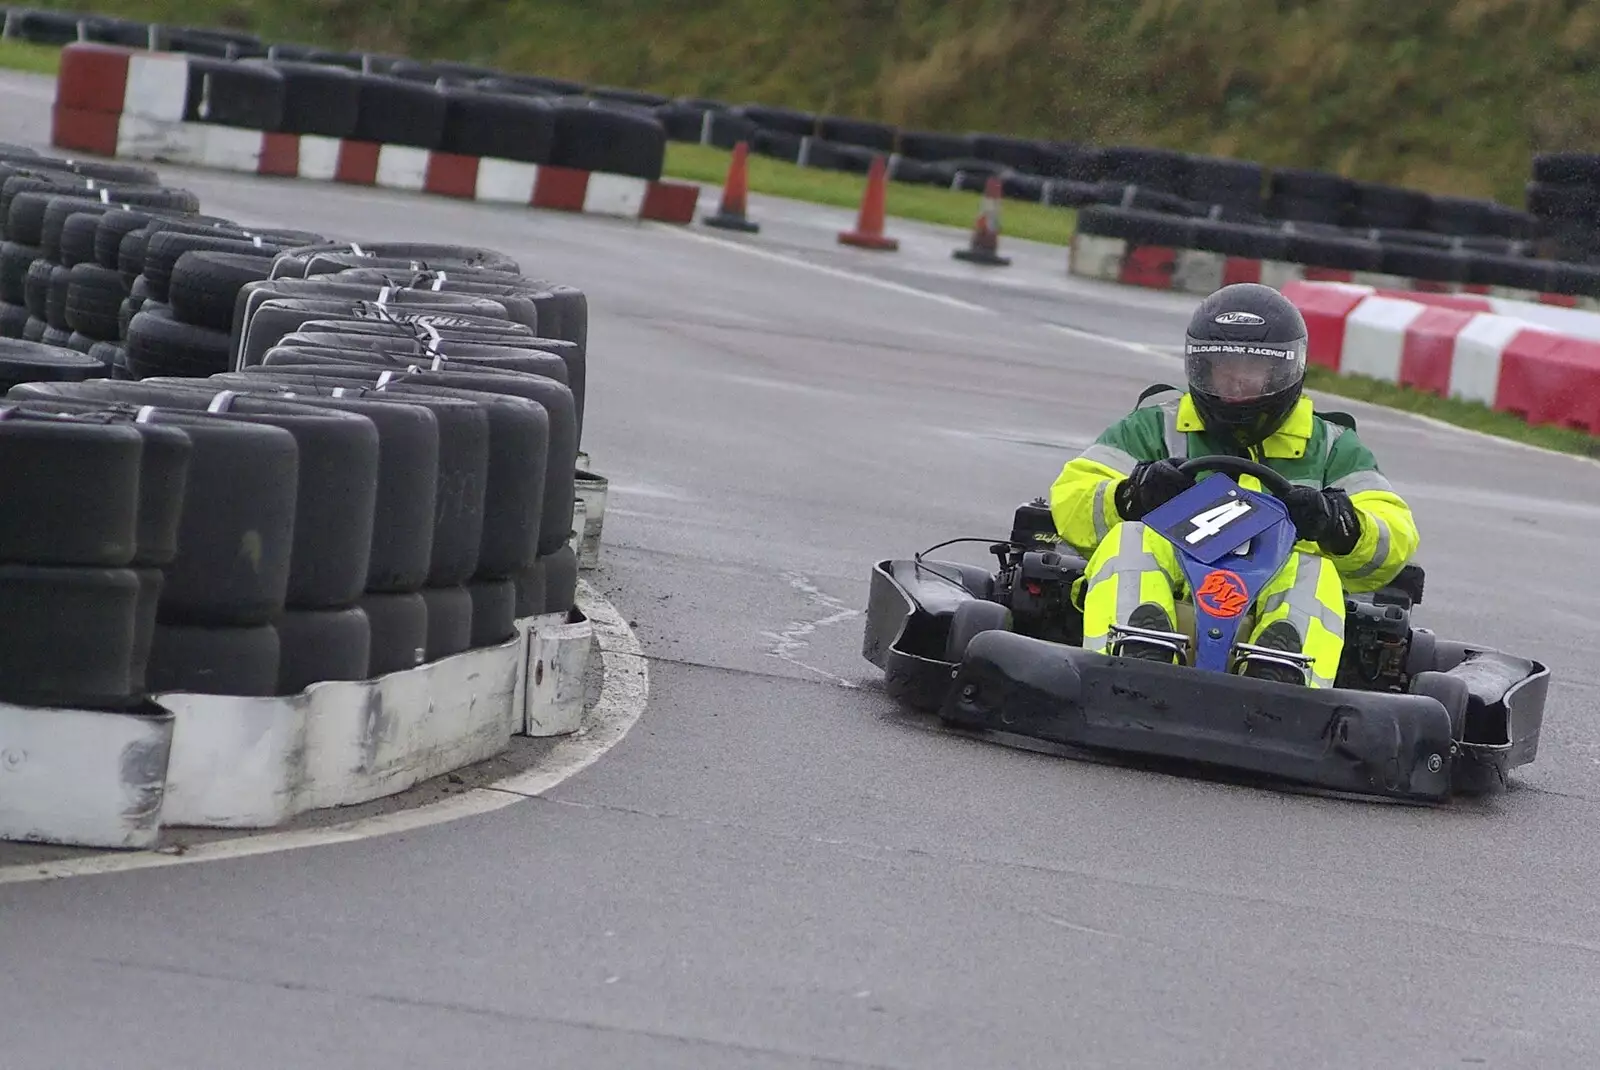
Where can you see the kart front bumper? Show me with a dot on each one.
(1369, 743)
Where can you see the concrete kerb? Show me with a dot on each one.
(624, 693)
(114, 779)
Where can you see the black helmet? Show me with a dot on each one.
(1245, 359)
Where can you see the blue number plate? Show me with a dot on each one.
(1214, 518)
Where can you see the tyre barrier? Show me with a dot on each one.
(319, 101)
(1167, 252)
(1544, 373)
(297, 522)
(282, 119)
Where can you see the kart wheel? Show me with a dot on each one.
(969, 619)
(1451, 692)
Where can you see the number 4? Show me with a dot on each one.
(1212, 521)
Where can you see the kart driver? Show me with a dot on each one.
(1244, 361)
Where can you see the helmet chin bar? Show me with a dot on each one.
(1247, 423)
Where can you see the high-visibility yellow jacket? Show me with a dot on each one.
(1307, 450)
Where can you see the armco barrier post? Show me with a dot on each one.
(735, 191)
(869, 223)
(984, 248)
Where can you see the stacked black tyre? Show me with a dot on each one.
(91, 521)
(282, 460)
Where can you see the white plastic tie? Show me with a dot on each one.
(383, 379)
(223, 402)
(354, 248)
(338, 391)
(145, 414)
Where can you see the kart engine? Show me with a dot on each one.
(1036, 584)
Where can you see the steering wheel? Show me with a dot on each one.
(1271, 481)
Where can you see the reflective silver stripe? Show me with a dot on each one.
(1301, 597)
(1177, 441)
(1356, 482)
(1331, 433)
(1119, 460)
(1380, 554)
(1101, 527)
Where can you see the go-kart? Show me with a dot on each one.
(1411, 716)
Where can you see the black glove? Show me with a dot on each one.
(1325, 517)
(1151, 484)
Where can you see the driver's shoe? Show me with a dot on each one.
(1153, 617)
(1279, 635)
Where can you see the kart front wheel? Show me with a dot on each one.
(1451, 692)
(968, 620)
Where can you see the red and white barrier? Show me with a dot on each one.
(131, 104)
(1197, 271)
(1536, 371)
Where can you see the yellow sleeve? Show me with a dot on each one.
(1082, 499)
(1389, 540)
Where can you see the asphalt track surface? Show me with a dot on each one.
(779, 868)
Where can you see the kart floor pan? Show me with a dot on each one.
(1368, 743)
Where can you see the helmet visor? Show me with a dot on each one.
(1243, 371)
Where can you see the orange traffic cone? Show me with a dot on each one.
(731, 212)
(869, 224)
(985, 244)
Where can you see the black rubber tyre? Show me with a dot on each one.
(77, 237)
(560, 578)
(71, 486)
(463, 464)
(234, 94)
(82, 343)
(530, 585)
(134, 248)
(514, 487)
(159, 345)
(561, 457)
(25, 215)
(449, 621)
(502, 126)
(55, 308)
(261, 319)
(13, 320)
(399, 627)
(165, 247)
(55, 336)
(56, 214)
(94, 299)
(34, 330)
(494, 611)
(236, 530)
(144, 626)
(116, 225)
(336, 484)
(1451, 692)
(610, 140)
(15, 260)
(67, 635)
(317, 99)
(407, 479)
(968, 620)
(28, 362)
(291, 263)
(392, 111)
(321, 644)
(205, 285)
(210, 660)
(36, 288)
